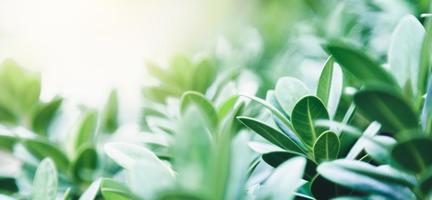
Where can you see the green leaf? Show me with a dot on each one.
(405, 50)
(203, 105)
(227, 106)
(426, 184)
(45, 181)
(147, 179)
(7, 142)
(109, 119)
(305, 113)
(203, 76)
(413, 154)
(359, 65)
(91, 192)
(44, 116)
(322, 188)
(326, 147)
(113, 190)
(330, 86)
(41, 149)
(380, 148)
(360, 144)
(288, 91)
(276, 158)
(272, 135)
(85, 164)
(364, 177)
(388, 108)
(272, 109)
(20, 88)
(285, 180)
(126, 155)
(84, 132)
(426, 116)
(425, 60)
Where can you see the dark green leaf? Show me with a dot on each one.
(326, 147)
(85, 164)
(276, 158)
(413, 154)
(305, 113)
(272, 135)
(363, 177)
(361, 66)
(388, 108)
(41, 149)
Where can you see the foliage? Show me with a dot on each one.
(359, 129)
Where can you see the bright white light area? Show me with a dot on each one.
(86, 47)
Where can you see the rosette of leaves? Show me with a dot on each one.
(200, 158)
(20, 103)
(399, 100)
(27, 134)
(296, 111)
(182, 74)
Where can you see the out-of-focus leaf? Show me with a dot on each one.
(404, 51)
(330, 86)
(272, 135)
(7, 142)
(288, 91)
(83, 133)
(41, 149)
(85, 164)
(305, 113)
(272, 109)
(358, 64)
(360, 144)
(326, 147)
(322, 188)
(276, 158)
(8, 185)
(20, 88)
(113, 190)
(91, 192)
(45, 181)
(126, 155)
(387, 108)
(227, 106)
(425, 60)
(202, 104)
(147, 179)
(203, 76)
(363, 177)
(44, 116)
(426, 184)
(380, 148)
(66, 194)
(193, 150)
(413, 154)
(109, 121)
(426, 116)
(285, 180)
